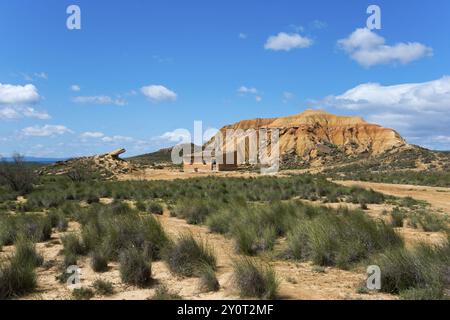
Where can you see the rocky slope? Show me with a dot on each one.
(106, 165)
(315, 137)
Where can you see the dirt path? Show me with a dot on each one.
(438, 197)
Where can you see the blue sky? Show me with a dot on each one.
(138, 70)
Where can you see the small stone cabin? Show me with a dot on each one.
(197, 162)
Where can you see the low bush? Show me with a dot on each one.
(255, 280)
(104, 288)
(26, 253)
(99, 261)
(194, 211)
(421, 272)
(187, 256)
(155, 208)
(17, 276)
(72, 245)
(163, 293)
(17, 174)
(208, 280)
(397, 218)
(134, 268)
(340, 239)
(82, 294)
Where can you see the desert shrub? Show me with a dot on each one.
(58, 220)
(17, 175)
(135, 268)
(251, 239)
(255, 280)
(99, 261)
(115, 230)
(81, 172)
(44, 199)
(428, 221)
(187, 256)
(219, 222)
(422, 271)
(104, 288)
(30, 226)
(194, 211)
(17, 276)
(121, 208)
(397, 218)
(70, 259)
(422, 294)
(26, 253)
(163, 293)
(408, 202)
(340, 239)
(72, 245)
(208, 280)
(82, 294)
(155, 208)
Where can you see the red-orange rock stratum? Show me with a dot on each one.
(315, 134)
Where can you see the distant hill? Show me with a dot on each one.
(160, 157)
(37, 160)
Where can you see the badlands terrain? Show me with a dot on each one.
(349, 194)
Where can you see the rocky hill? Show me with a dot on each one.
(317, 138)
(105, 165)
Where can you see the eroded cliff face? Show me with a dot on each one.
(318, 136)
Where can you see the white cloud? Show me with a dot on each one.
(9, 113)
(178, 136)
(287, 96)
(100, 100)
(242, 36)
(369, 49)
(419, 111)
(258, 98)
(41, 75)
(318, 24)
(93, 135)
(117, 139)
(286, 42)
(431, 96)
(45, 131)
(158, 93)
(18, 95)
(244, 90)
(75, 88)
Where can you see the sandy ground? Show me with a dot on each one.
(172, 174)
(437, 197)
(298, 280)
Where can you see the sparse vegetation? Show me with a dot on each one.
(340, 239)
(104, 288)
(254, 279)
(420, 273)
(17, 175)
(208, 279)
(17, 273)
(188, 256)
(82, 294)
(135, 268)
(163, 293)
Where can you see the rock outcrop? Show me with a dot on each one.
(106, 165)
(314, 137)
